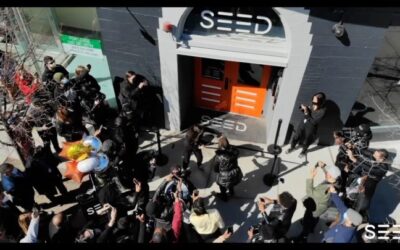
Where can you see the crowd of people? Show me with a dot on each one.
(175, 212)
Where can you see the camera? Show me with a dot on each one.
(255, 229)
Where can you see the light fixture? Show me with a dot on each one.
(338, 29)
(167, 27)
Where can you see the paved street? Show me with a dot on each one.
(241, 211)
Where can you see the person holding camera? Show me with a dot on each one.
(307, 128)
(163, 234)
(29, 223)
(345, 230)
(208, 223)
(225, 164)
(280, 216)
(317, 200)
(369, 169)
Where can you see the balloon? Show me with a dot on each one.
(103, 162)
(73, 173)
(75, 151)
(88, 165)
(93, 142)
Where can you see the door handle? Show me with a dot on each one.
(226, 83)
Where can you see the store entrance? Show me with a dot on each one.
(231, 86)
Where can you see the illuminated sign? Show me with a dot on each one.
(209, 20)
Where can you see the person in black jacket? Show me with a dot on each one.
(44, 174)
(9, 214)
(371, 167)
(342, 159)
(69, 124)
(225, 164)
(280, 216)
(133, 97)
(50, 68)
(193, 144)
(307, 127)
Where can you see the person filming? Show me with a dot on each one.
(306, 129)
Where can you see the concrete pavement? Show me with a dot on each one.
(241, 211)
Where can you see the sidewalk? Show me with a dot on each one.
(241, 211)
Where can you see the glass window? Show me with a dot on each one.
(214, 69)
(250, 74)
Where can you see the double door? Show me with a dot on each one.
(231, 86)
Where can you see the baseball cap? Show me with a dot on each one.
(333, 171)
(353, 216)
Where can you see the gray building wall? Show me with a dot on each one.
(125, 46)
(337, 69)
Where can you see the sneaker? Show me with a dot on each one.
(290, 150)
(302, 155)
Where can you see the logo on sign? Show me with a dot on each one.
(210, 20)
(223, 123)
(371, 232)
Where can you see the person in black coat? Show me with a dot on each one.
(44, 174)
(133, 95)
(371, 167)
(9, 214)
(69, 124)
(307, 127)
(225, 164)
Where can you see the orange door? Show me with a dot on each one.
(212, 84)
(249, 88)
(231, 86)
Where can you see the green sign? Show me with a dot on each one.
(82, 46)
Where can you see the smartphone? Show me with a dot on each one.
(230, 229)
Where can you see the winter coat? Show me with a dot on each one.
(27, 86)
(87, 87)
(47, 75)
(43, 171)
(226, 166)
(131, 97)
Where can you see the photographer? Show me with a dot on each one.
(360, 136)
(317, 200)
(369, 168)
(29, 223)
(261, 233)
(307, 128)
(280, 216)
(207, 222)
(342, 159)
(163, 233)
(345, 230)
